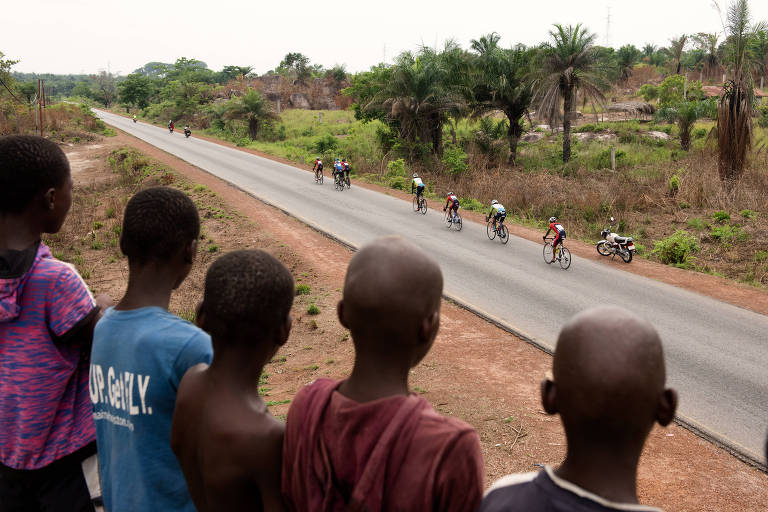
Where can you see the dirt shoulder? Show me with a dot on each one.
(481, 374)
(719, 288)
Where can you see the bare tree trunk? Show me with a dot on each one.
(514, 131)
(567, 107)
(253, 127)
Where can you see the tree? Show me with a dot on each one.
(708, 43)
(28, 90)
(501, 83)
(648, 50)
(106, 90)
(685, 113)
(82, 90)
(136, 90)
(297, 64)
(677, 88)
(760, 52)
(676, 49)
(232, 72)
(253, 108)
(734, 112)
(626, 58)
(154, 69)
(568, 65)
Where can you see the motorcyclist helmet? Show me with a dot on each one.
(494, 202)
(552, 219)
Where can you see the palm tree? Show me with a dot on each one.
(501, 83)
(734, 112)
(708, 44)
(760, 51)
(676, 49)
(626, 58)
(685, 113)
(648, 50)
(254, 108)
(568, 65)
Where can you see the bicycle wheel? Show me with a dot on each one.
(504, 235)
(490, 230)
(349, 184)
(547, 252)
(416, 205)
(321, 179)
(626, 255)
(565, 258)
(603, 249)
(423, 206)
(458, 222)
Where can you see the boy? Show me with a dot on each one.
(227, 443)
(367, 443)
(47, 437)
(141, 352)
(609, 391)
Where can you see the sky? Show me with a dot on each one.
(86, 36)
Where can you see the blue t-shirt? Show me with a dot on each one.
(137, 361)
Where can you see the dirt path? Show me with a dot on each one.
(481, 374)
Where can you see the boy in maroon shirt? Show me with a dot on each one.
(367, 443)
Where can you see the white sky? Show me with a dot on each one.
(84, 36)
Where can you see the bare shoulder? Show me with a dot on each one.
(191, 382)
(259, 439)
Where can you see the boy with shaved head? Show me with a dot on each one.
(609, 391)
(227, 443)
(366, 443)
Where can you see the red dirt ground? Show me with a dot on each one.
(484, 375)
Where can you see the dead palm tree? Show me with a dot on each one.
(734, 112)
(569, 65)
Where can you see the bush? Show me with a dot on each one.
(313, 310)
(699, 133)
(303, 289)
(748, 214)
(326, 144)
(397, 182)
(727, 234)
(649, 92)
(762, 119)
(676, 249)
(721, 216)
(696, 224)
(396, 168)
(455, 159)
(674, 184)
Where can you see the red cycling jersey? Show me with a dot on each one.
(450, 199)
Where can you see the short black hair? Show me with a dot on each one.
(158, 222)
(246, 291)
(28, 165)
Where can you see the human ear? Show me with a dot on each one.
(665, 410)
(429, 327)
(340, 313)
(285, 331)
(190, 252)
(549, 396)
(50, 198)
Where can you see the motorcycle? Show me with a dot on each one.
(613, 244)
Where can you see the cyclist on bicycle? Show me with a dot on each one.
(419, 186)
(452, 204)
(318, 168)
(559, 230)
(337, 169)
(171, 126)
(498, 213)
(345, 167)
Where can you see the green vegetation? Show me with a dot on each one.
(721, 216)
(313, 309)
(303, 289)
(676, 249)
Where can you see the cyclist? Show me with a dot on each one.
(187, 131)
(419, 186)
(345, 163)
(452, 204)
(498, 213)
(337, 169)
(170, 126)
(559, 230)
(318, 168)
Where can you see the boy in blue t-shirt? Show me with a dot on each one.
(141, 352)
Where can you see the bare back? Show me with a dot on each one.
(228, 445)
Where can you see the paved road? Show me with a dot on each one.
(717, 354)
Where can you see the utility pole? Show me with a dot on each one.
(41, 104)
(608, 28)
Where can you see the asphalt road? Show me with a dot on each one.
(716, 353)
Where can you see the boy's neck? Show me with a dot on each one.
(239, 368)
(148, 285)
(374, 377)
(607, 471)
(17, 232)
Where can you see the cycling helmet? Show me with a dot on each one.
(415, 175)
(552, 219)
(494, 202)
(450, 193)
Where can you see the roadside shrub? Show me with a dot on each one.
(721, 216)
(699, 133)
(396, 168)
(455, 159)
(313, 310)
(649, 92)
(602, 160)
(762, 119)
(696, 224)
(674, 184)
(326, 144)
(397, 182)
(748, 214)
(472, 205)
(303, 289)
(727, 234)
(677, 248)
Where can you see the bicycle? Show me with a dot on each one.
(493, 228)
(319, 177)
(338, 182)
(420, 204)
(349, 185)
(563, 254)
(454, 221)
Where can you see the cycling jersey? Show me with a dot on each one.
(557, 228)
(417, 183)
(497, 209)
(318, 165)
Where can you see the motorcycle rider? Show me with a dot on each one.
(170, 126)
(187, 131)
(134, 118)
(559, 230)
(498, 212)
